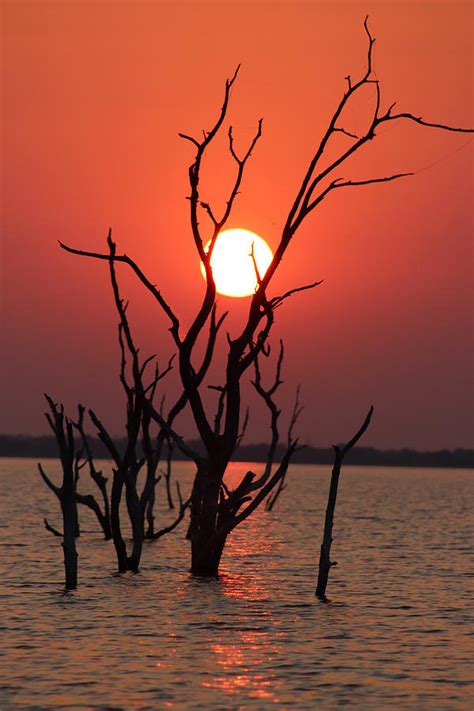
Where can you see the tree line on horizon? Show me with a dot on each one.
(459, 458)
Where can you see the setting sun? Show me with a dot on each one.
(234, 272)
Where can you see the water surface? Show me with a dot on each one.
(398, 632)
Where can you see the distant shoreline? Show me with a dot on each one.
(45, 446)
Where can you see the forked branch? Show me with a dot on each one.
(174, 330)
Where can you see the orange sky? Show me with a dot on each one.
(94, 94)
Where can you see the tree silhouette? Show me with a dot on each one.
(325, 563)
(66, 493)
(215, 509)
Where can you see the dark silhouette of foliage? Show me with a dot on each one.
(45, 446)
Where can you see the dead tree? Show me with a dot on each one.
(129, 463)
(142, 448)
(215, 509)
(82, 458)
(325, 563)
(66, 493)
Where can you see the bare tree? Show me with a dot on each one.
(129, 463)
(325, 563)
(66, 493)
(142, 451)
(215, 510)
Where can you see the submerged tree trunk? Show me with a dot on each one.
(216, 510)
(66, 493)
(149, 514)
(325, 563)
(69, 510)
(119, 543)
(206, 555)
(206, 547)
(136, 514)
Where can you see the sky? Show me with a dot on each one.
(93, 97)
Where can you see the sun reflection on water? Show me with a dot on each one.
(245, 656)
(244, 665)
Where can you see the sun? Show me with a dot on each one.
(232, 266)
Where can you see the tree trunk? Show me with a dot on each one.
(206, 550)
(136, 514)
(150, 518)
(325, 563)
(119, 543)
(105, 521)
(206, 557)
(69, 511)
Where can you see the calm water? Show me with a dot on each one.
(398, 632)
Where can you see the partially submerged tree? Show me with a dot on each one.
(325, 562)
(66, 493)
(215, 509)
(142, 451)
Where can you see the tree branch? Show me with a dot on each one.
(51, 529)
(174, 330)
(278, 300)
(418, 119)
(183, 506)
(267, 396)
(180, 443)
(106, 438)
(55, 489)
(260, 496)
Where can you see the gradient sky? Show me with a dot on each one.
(94, 94)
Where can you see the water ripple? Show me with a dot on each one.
(397, 632)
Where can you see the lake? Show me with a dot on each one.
(398, 631)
